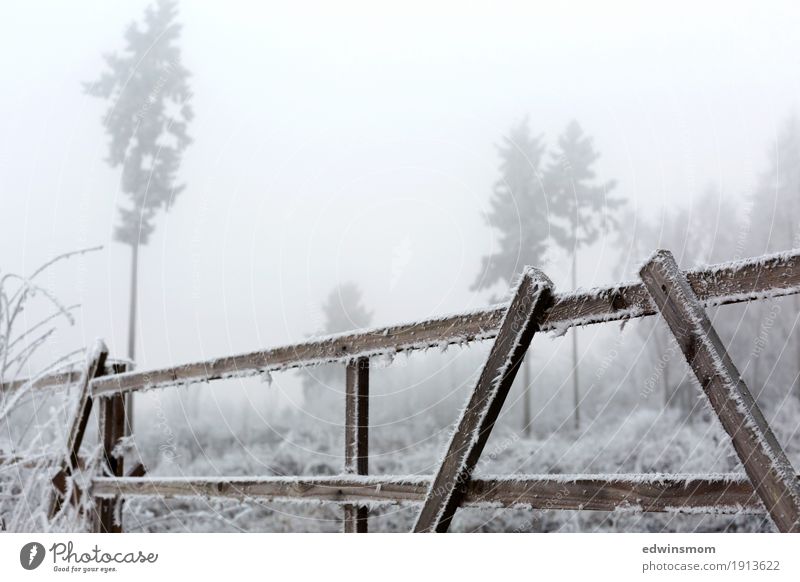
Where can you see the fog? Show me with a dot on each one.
(332, 144)
(353, 142)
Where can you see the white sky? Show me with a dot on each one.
(355, 141)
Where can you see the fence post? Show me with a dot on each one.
(761, 454)
(111, 424)
(356, 436)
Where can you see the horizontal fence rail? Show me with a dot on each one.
(774, 275)
(768, 276)
(726, 493)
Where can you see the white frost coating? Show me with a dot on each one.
(734, 509)
(124, 445)
(640, 478)
(412, 479)
(383, 360)
(562, 327)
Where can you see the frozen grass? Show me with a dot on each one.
(647, 442)
(32, 422)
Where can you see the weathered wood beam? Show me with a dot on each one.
(356, 437)
(95, 363)
(764, 461)
(653, 493)
(768, 276)
(531, 299)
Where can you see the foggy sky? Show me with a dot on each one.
(351, 141)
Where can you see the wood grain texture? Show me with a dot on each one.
(356, 438)
(531, 299)
(763, 458)
(652, 493)
(111, 427)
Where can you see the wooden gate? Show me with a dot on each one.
(770, 483)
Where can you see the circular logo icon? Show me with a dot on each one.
(31, 555)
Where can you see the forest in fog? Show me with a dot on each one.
(184, 223)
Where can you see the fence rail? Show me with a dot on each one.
(728, 493)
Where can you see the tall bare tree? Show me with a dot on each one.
(147, 91)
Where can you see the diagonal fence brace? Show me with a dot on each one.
(532, 297)
(95, 365)
(764, 461)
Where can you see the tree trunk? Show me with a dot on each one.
(132, 332)
(526, 397)
(575, 380)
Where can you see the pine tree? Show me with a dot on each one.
(343, 310)
(579, 208)
(519, 214)
(518, 209)
(149, 109)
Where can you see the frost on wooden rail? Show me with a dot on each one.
(767, 276)
(759, 451)
(716, 493)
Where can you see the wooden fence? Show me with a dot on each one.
(770, 484)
